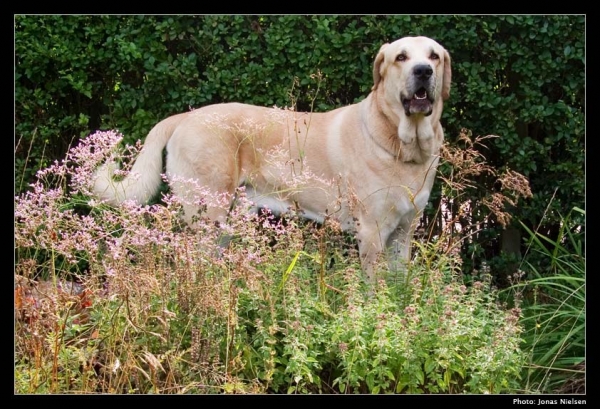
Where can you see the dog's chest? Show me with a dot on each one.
(396, 191)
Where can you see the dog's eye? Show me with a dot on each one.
(401, 57)
(434, 56)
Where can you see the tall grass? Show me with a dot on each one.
(128, 300)
(554, 309)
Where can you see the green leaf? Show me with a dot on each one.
(447, 377)
(420, 376)
(430, 365)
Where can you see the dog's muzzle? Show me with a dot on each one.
(421, 100)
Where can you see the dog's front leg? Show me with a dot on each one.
(370, 248)
(398, 249)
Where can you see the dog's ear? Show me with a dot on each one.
(377, 67)
(447, 76)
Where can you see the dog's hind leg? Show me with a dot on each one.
(203, 177)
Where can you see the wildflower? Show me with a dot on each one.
(478, 285)
(410, 310)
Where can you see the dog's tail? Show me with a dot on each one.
(143, 181)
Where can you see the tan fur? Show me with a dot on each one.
(369, 165)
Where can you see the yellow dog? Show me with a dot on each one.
(369, 165)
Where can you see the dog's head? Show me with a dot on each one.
(415, 72)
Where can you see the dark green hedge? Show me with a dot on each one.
(519, 77)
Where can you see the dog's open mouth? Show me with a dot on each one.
(420, 103)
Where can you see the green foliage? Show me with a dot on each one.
(162, 313)
(526, 76)
(554, 309)
(438, 337)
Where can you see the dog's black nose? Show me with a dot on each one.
(422, 71)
